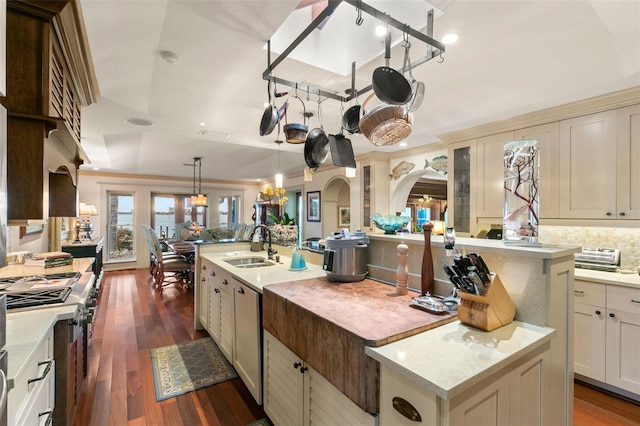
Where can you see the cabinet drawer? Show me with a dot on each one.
(589, 293)
(23, 392)
(39, 406)
(625, 299)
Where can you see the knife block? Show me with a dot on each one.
(489, 311)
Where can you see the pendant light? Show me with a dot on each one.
(199, 199)
(279, 178)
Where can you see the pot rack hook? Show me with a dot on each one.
(296, 90)
(359, 19)
(441, 60)
(308, 98)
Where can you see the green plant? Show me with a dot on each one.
(282, 220)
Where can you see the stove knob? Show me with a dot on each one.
(89, 318)
(92, 302)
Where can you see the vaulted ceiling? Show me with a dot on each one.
(513, 57)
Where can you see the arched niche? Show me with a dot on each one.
(336, 194)
(401, 194)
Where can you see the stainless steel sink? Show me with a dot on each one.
(249, 262)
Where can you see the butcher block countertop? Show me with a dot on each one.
(330, 324)
(369, 309)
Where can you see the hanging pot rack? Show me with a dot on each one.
(435, 48)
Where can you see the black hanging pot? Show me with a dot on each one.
(351, 118)
(269, 116)
(341, 151)
(316, 147)
(389, 85)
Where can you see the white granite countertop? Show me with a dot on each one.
(453, 357)
(463, 245)
(602, 277)
(20, 270)
(257, 278)
(27, 329)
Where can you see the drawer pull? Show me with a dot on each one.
(204, 267)
(225, 282)
(635, 301)
(405, 408)
(612, 315)
(578, 291)
(217, 290)
(240, 290)
(44, 374)
(296, 365)
(49, 418)
(213, 273)
(598, 312)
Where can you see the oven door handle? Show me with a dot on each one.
(3, 394)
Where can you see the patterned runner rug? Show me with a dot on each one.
(185, 367)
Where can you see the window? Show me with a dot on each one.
(228, 210)
(120, 227)
(167, 210)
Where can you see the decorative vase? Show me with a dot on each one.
(520, 219)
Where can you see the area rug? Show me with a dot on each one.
(185, 367)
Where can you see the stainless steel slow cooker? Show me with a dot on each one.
(345, 256)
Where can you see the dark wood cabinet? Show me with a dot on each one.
(88, 248)
(49, 79)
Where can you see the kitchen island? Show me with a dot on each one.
(539, 280)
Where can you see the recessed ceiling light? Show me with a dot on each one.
(450, 38)
(402, 144)
(381, 30)
(169, 57)
(203, 124)
(140, 122)
(96, 168)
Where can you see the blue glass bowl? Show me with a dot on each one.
(390, 224)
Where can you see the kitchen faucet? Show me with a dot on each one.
(270, 250)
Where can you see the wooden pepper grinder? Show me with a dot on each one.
(427, 282)
(402, 273)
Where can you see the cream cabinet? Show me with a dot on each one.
(598, 152)
(296, 394)
(627, 170)
(607, 334)
(548, 137)
(247, 357)
(490, 175)
(221, 310)
(32, 400)
(513, 395)
(202, 289)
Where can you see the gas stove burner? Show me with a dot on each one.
(42, 277)
(25, 299)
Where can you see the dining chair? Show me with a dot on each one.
(168, 267)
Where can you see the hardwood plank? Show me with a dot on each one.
(119, 388)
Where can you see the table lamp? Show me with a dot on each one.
(85, 226)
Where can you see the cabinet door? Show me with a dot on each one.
(246, 356)
(203, 302)
(226, 323)
(283, 383)
(490, 200)
(548, 137)
(589, 326)
(488, 406)
(587, 157)
(215, 295)
(528, 392)
(328, 406)
(628, 172)
(623, 346)
(461, 187)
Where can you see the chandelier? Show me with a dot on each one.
(199, 199)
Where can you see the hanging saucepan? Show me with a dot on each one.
(416, 86)
(389, 85)
(316, 147)
(294, 132)
(269, 116)
(351, 118)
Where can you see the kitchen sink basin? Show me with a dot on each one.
(249, 262)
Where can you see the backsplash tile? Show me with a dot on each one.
(627, 240)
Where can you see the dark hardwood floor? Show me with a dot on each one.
(132, 319)
(119, 389)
